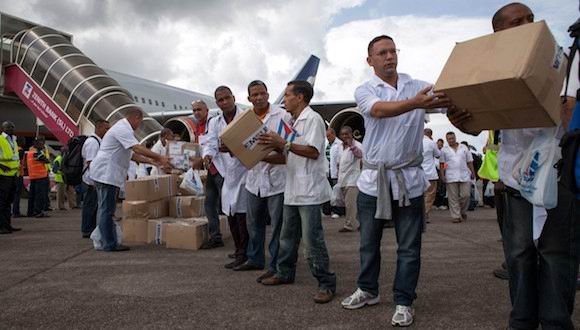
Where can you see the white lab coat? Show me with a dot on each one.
(234, 195)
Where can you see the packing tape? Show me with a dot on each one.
(178, 210)
(158, 232)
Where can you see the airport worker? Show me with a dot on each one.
(39, 180)
(431, 155)
(90, 199)
(160, 147)
(305, 190)
(63, 191)
(9, 171)
(349, 167)
(109, 171)
(232, 174)
(542, 273)
(265, 184)
(392, 181)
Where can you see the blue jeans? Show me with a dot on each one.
(543, 277)
(408, 228)
(90, 207)
(107, 195)
(258, 209)
(213, 191)
(304, 222)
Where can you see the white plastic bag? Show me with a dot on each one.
(192, 183)
(535, 172)
(96, 237)
(337, 198)
(489, 190)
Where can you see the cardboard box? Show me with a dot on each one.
(146, 210)
(180, 153)
(186, 206)
(149, 188)
(241, 137)
(188, 235)
(509, 79)
(134, 230)
(157, 230)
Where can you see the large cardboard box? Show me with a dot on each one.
(186, 206)
(508, 79)
(241, 137)
(180, 152)
(134, 230)
(145, 209)
(157, 230)
(149, 188)
(188, 235)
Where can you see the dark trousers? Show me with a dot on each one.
(327, 209)
(408, 222)
(7, 188)
(90, 207)
(499, 201)
(258, 210)
(543, 277)
(37, 196)
(240, 235)
(17, 193)
(213, 192)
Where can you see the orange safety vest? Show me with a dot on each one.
(36, 169)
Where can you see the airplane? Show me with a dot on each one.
(63, 92)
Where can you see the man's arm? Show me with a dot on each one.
(142, 159)
(275, 158)
(472, 169)
(141, 150)
(278, 143)
(385, 109)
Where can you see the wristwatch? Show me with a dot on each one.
(287, 147)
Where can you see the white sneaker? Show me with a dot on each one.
(359, 299)
(403, 316)
(335, 216)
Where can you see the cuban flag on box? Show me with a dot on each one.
(286, 131)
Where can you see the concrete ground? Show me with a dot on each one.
(52, 278)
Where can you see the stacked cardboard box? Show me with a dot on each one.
(189, 234)
(186, 206)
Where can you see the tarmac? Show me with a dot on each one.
(52, 278)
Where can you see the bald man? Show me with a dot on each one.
(542, 273)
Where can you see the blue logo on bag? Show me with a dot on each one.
(529, 174)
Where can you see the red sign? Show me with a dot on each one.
(34, 97)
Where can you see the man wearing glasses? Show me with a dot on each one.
(393, 106)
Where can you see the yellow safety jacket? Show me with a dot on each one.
(9, 157)
(58, 174)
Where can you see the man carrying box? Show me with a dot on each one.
(233, 194)
(109, 170)
(542, 274)
(305, 191)
(393, 106)
(265, 185)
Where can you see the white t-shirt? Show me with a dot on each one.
(394, 140)
(306, 182)
(266, 179)
(89, 152)
(456, 169)
(430, 155)
(158, 148)
(111, 164)
(349, 166)
(335, 149)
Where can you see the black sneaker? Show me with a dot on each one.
(212, 244)
(119, 248)
(14, 229)
(42, 215)
(235, 263)
(501, 274)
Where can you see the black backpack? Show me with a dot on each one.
(72, 166)
(570, 145)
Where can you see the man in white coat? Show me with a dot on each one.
(233, 193)
(430, 155)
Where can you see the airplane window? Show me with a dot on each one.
(156, 103)
(163, 104)
(180, 108)
(136, 99)
(174, 107)
(142, 100)
(150, 103)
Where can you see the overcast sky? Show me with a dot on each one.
(198, 45)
